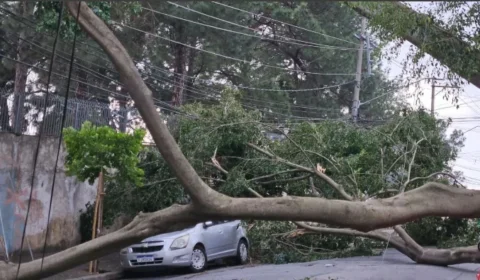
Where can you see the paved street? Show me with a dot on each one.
(392, 266)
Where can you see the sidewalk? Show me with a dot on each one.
(108, 263)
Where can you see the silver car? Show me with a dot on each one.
(192, 247)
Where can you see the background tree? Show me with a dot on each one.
(92, 150)
(175, 72)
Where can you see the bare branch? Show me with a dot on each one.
(323, 176)
(217, 164)
(315, 192)
(382, 155)
(412, 161)
(275, 174)
(287, 180)
(431, 176)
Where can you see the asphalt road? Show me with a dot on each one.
(391, 266)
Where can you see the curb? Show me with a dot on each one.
(103, 276)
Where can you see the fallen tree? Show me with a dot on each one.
(363, 217)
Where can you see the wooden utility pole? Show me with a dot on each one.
(432, 101)
(358, 76)
(97, 219)
(432, 105)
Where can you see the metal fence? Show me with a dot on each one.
(27, 118)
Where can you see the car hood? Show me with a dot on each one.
(169, 235)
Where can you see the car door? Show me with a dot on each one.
(214, 240)
(230, 229)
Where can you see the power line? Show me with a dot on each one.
(259, 89)
(97, 87)
(115, 81)
(229, 57)
(292, 40)
(64, 117)
(285, 23)
(152, 66)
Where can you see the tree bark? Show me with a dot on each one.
(430, 200)
(428, 36)
(191, 58)
(181, 54)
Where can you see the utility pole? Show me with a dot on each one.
(432, 105)
(369, 60)
(434, 85)
(358, 76)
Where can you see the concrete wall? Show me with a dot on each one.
(16, 171)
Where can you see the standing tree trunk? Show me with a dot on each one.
(25, 8)
(192, 55)
(179, 66)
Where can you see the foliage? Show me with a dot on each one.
(47, 13)
(278, 242)
(443, 232)
(365, 160)
(95, 149)
(160, 191)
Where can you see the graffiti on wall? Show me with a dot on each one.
(13, 206)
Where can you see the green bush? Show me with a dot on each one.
(436, 231)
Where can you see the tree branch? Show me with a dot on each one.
(412, 161)
(430, 176)
(323, 176)
(287, 180)
(273, 175)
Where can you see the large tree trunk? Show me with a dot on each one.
(441, 44)
(25, 8)
(192, 55)
(432, 199)
(180, 71)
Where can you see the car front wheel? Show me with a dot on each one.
(242, 252)
(199, 259)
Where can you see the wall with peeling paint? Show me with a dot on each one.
(16, 171)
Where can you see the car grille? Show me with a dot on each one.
(148, 249)
(155, 261)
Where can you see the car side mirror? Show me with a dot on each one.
(207, 224)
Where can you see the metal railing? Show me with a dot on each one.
(26, 119)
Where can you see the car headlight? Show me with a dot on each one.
(180, 242)
(125, 251)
